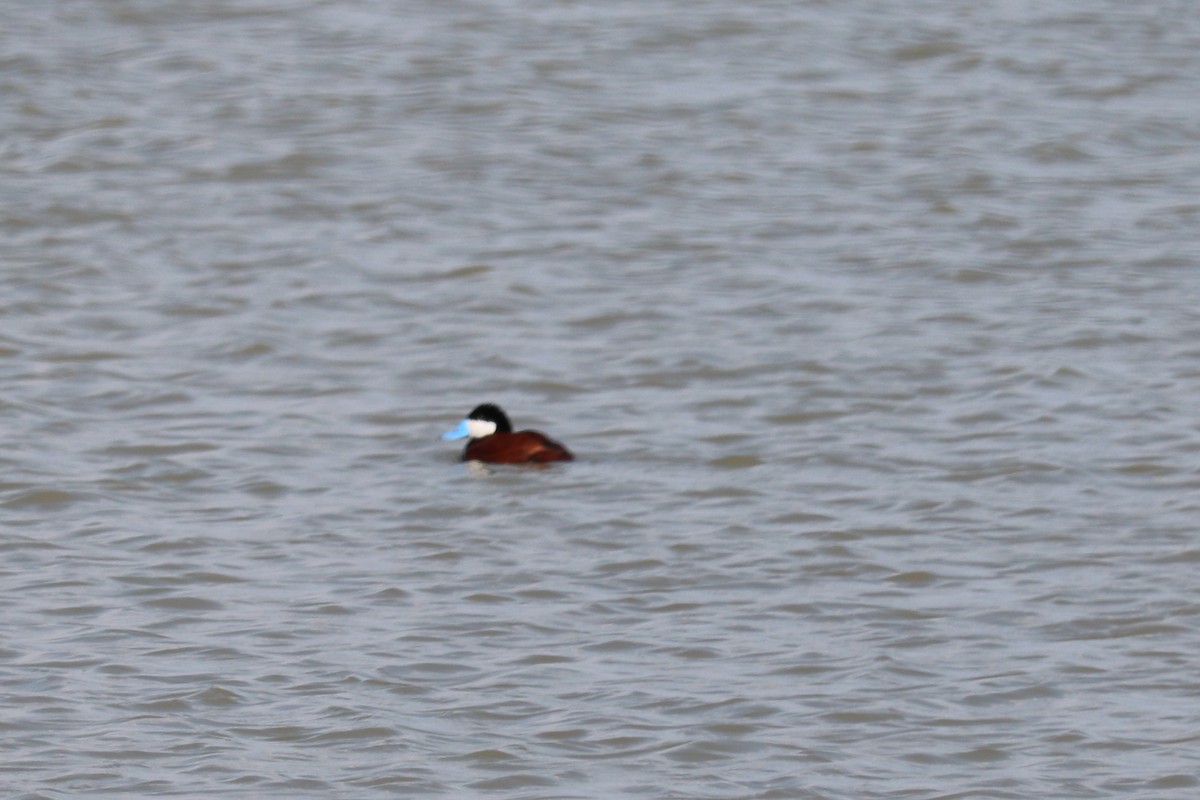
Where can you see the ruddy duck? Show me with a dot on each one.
(490, 438)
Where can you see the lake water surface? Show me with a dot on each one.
(875, 328)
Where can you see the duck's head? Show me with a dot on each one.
(483, 421)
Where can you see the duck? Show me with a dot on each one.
(491, 439)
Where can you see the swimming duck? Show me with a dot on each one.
(490, 438)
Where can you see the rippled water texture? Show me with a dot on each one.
(874, 326)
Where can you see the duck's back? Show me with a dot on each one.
(523, 447)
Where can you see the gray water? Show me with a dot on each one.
(875, 328)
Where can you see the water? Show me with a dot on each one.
(874, 328)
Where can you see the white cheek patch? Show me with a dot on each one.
(479, 428)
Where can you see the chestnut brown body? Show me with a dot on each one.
(522, 447)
